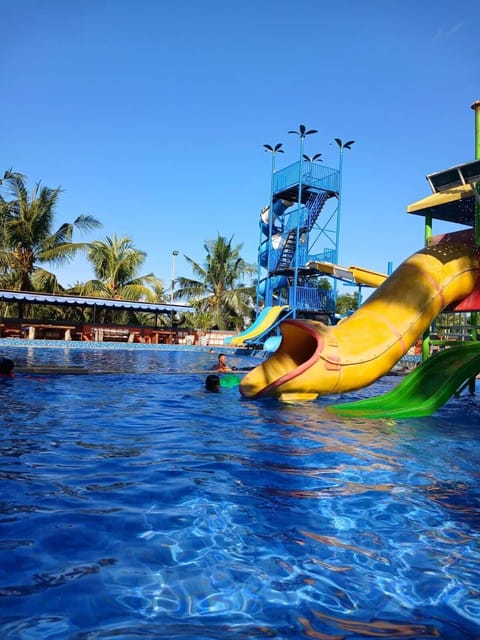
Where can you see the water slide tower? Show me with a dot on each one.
(300, 226)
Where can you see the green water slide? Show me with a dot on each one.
(423, 390)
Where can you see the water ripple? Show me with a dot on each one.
(142, 507)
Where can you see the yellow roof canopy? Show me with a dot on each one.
(456, 204)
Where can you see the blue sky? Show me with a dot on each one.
(152, 115)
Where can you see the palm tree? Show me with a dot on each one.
(219, 287)
(116, 262)
(27, 238)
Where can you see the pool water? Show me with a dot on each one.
(139, 506)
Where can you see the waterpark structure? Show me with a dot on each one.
(316, 358)
(299, 245)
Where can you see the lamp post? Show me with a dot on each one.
(476, 187)
(302, 133)
(341, 145)
(273, 149)
(314, 158)
(174, 255)
(476, 192)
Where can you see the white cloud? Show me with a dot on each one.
(450, 32)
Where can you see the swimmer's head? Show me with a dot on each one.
(212, 383)
(6, 367)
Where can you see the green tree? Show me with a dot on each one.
(219, 289)
(199, 319)
(320, 283)
(116, 263)
(347, 302)
(28, 240)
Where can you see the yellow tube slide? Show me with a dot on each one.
(367, 276)
(314, 359)
(359, 275)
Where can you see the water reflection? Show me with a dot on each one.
(139, 505)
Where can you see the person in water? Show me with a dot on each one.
(222, 364)
(212, 383)
(6, 367)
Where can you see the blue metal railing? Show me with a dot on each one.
(298, 217)
(288, 247)
(283, 256)
(312, 299)
(315, 205)
(313, 175)
(327, 255)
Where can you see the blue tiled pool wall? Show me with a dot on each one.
(121, 357)
(5, 343)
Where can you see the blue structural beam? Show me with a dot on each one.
(299, 193)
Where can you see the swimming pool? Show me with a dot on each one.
(137, 505)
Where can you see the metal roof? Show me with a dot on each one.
(31, 297)
(455, 195)
(466, 173)
(456, 204)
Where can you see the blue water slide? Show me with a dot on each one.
(277, 243)
(262, 288)
(279, 207)
(277, 282)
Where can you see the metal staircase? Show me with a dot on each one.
(313, 208)
(314, 205)
(283, 254)
(288, 251)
